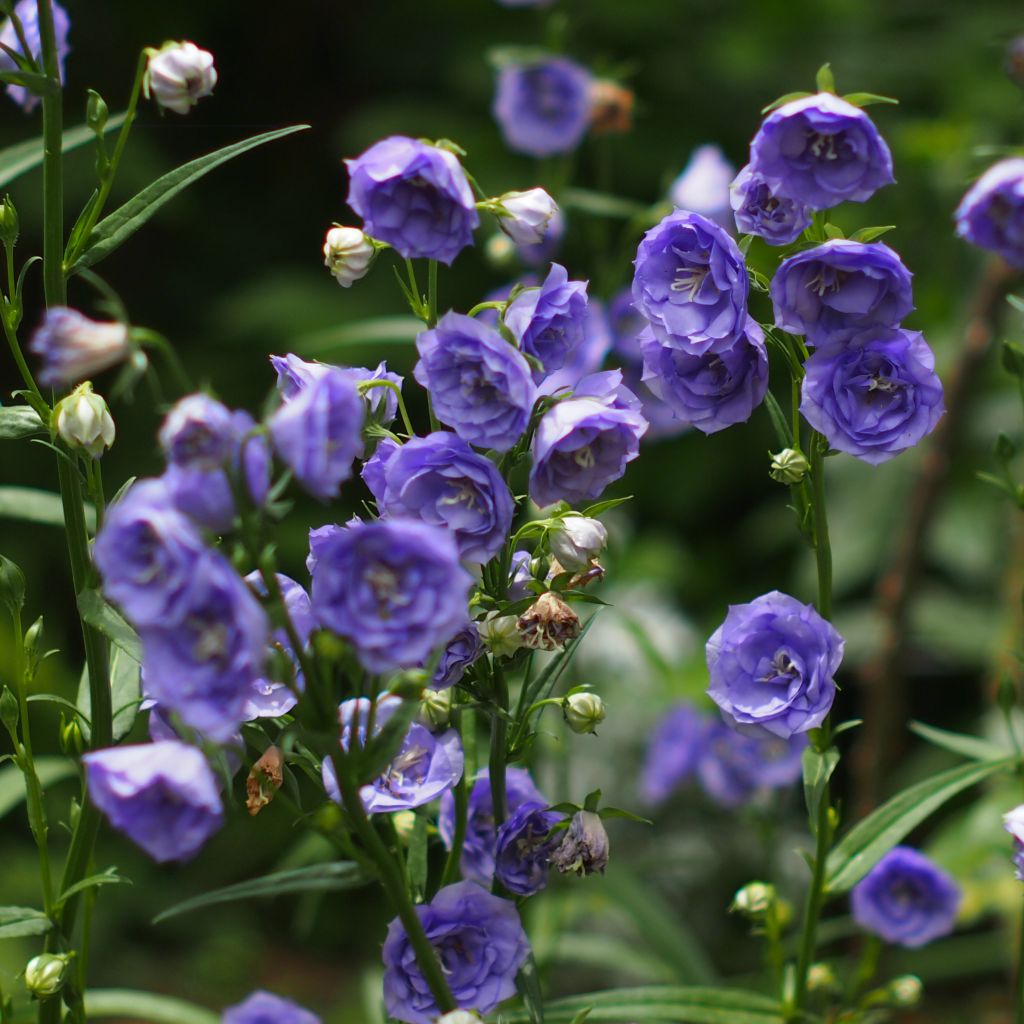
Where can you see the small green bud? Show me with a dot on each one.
(12, 585)
(821, 978)
(405, 823)
(72, 742)
(500, 634)
(583, 712)
(753, 901)
(435, 708)
(9, 711)
(905, 991)
(45, 974)
(789, 466)
(33, 645)
(9, 226)
(84, 421)
(96, 112)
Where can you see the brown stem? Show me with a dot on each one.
(882, 678)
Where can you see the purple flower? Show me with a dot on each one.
(820, 151)
(163, 796)
(27, 12)
(772, 664)
(478, 850)
(691, 283)
(587, 357)
(759, 211)
(481, 386)
(838, 288)
(1013, 822)
(73, 347)
(991, 214)
(415, 197)
(462, 651)
(425, 766)
(266, 1008)
(875, 395)
(548, 322)
(906, 899)
(703, 185)
(394, 589)
(734, 768)
(319, 432)
(480, 943)
(520, 575)
(203, 664)
(583, 444)
(710, 391)
(149, 555)
(441, 480)
(524, 848)
(543, 107)
(672, 752)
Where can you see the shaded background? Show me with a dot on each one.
(231, 272)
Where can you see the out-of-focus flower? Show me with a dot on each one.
(462, 651)
(906, 899)
(672, 752)
(703, 185)
(84, 421)
(266, 1008)
(991, 214)
(734, 768)
(415, 197)
(27, 12)
(1013, 822)
(74, 347)
(347, 254)
(163, 796)
(611, 107)
(178, 76)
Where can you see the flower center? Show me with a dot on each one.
(211, 640)
(688, 281)
(408, 764)
(822, 146)
(782, 668)
(461, 494)
(584, 457)
(884, 384)
(827, 281)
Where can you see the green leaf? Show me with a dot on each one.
(528, 984)
(126, 1005)
(115, 229)
(870, 234)
(12, 783)
(102, 616)
(125, 693)
(866, 99)
(17, 421)
(374, 331)
(315, 878)
(834, 231)
(824, 79)
(779, 421)
(43, 507)
(958, 743)
(604, 506)
(783, 100)
(662, 1003)
(870, 839)
(23, 156)
(16, 922)
(416, 858)
(600, 204)
(818, 768)
(108, 877)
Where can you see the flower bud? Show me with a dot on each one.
(84, 422)
(905, 991)
(74, 347)
(459, 1017)
(96, 112)
(611, 108)
(9, 712)
(72, 742)
(178, 75)
(584, 850)
(500, 252)
(347, 254)
(548, 623)
(789, 466)
(44, 974)
(500, 634)
(8, 222)
(753, 900)
(12, 585)
(435, 708)
(405, 823)
(583, 712)
(821, 978)
(577, 541)
(525, 216)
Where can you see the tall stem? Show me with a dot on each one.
(1020, 972)
(822, 545)
(499, 748)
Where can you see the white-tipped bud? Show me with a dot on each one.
(789, 466)
(584, 850)
(44, 975)
(577, 542)
(905, 991)
(84, 421)
(525, 216)
(821, 978)
(347, 254)
(753, 900)
(178, 76)
(583, 712)
(500, 634)
(435, 708)
(459, 1017)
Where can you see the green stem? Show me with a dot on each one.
(499, 747)
(822, 546)
(403, 411)
(391, 879)
(461, 795)
(150, 339)
(1020, 971)
(432, 293)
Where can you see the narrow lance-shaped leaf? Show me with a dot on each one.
(102, 616)
(959, 743)
(16, 922)
(17, 421)
(124, 1004)
(34, 506)
(12, 783)
(115, 229)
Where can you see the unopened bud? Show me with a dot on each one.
(347, 254)
(435, 708)
(821, 978)
(611, 108)
(84, 421)
(905, 991)
(12, 585)
(789, 466)
(548, 623)
(583, 712)
(500, 634)
(584, 850)
(577, 541)
(9, 226)
(459, 1017)
(405, 824)
(526, 216)
(72, 742)
(44, 974)
(753, 900)
(178, 76)
(33, 644)
(9, 711)
(265, 779)
(96, 112)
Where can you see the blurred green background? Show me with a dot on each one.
(231, 272)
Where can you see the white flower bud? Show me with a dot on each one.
(789, 466)
(459, 1017)
(583, 712)
(577, 542)
(905, 991)
(178, 75)
(753, 900)
(500, 634)
(347, 254)
(435, 708)
(821, 978)
(44, 975)
(527, 215)
(84, 421)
